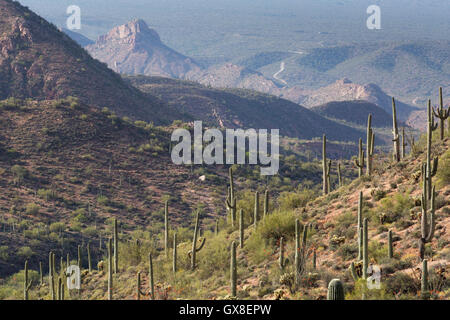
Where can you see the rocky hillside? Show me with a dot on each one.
(390, 201)
(354, 111)
(134, 48)
(38, 61)
(234, 108)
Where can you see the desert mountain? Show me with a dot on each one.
(240, 108)
(39, 61)
(355, 111)
(234, 76)
(134, 48)
(345, 90)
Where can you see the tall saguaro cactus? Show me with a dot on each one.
(427, 227)
(26, 283)
(300, 250)
(192, 253)
(150, 275)
(231, 199)
(89, 257)
(166, 228)
(365, 254)
(396, 138)
(79, 258)
(281, 260)
(404, 143)
(116, 247)
(360, 161)
(233, 270)
(430, 170)
(441, 113)
(241, 228)
(360, 226)
(325, 167)
(341, 183)
(256, 209)
(110, 269)
(266, 203)
(51, 278)
(369, 146)
(390, 246)
(174, 266)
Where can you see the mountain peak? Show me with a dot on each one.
(135, 30)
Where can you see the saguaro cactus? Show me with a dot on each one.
(166, 228)
(51, 278)
(390, 246)
(314, 259)
(404, 143)
(150, 275)
(266, 203)
(369, 145)
(192, 253)
(424, 289)
(441, 113)
(241, 228)
(233, 270)
(360, 226)
(41, 273)
(256, 209)
(281, 260)
(110, 269)
(116, 247)
(174, 266)
(396, 138)
(231, 199)
(430, 170)
(300, 250)
(26, 283)
(89, 257)
(60, 289)
(360, 162)
(139, 292)
(335, 290)
(427, 227)
(325, 167)
(79, 257)
(339, 175)
(365, 254)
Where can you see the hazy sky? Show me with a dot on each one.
(197, 26)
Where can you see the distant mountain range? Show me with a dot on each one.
(136, 49)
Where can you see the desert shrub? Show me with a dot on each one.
(25, 252)
(348, 251)
(294, 200)
(19, 172)
(401, 283)
(395, 207)
(47, 194)
(214, 257)
(32, 209)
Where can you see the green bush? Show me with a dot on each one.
(32, 209)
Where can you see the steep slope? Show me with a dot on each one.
(38, 61)
(67, 168)
(344, 90)
(354, 111)
(233, 108)
(134, 48)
